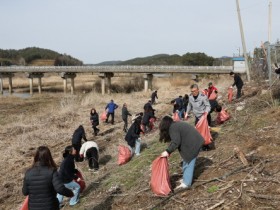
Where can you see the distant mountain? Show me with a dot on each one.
(108, 63)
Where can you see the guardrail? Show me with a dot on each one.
(118, 69)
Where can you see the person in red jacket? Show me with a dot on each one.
(211, 89)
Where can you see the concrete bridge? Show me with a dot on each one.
(104, 72)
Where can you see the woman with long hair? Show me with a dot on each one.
(41, 182)
(94, 119)
(67, 173)
(187, 140)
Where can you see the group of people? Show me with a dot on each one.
(46, 185)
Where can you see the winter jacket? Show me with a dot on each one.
(133, 133)
(42, 184)
(146, 118)
(186, 139)
(78, 135)
(87, 145)
(179, 102)
(67, 169)
(198, 105)
(211, 89)
(125, 113)
(111, 107)
(148, 107)
(94, 119)
(237, 81)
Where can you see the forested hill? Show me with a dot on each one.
(188, 59)
(36, 56)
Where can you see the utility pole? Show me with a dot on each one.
(269, 21)
(243, 41)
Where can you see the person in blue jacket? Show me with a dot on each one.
(111, 110)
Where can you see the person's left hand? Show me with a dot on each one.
(164, 154)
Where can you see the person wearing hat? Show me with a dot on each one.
(133, 135)
(211, 89)
(125, 114)
(111, 110)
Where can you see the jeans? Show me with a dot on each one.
(136, 150)
(188, 170)
(75, 187)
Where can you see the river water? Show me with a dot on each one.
(20, 95)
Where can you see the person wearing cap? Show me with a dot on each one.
(154, 96)
(125, 114)
(211, 89)
(111, 110)
(238, 82)
(133, 135)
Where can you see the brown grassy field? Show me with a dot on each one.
(50, 119)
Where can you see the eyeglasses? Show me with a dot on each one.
(193, 91)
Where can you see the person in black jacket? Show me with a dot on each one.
(238, 82)
(133, 135)
(125, 114)
(94, 119)
(67, 173)
(154, 96)
(41, 182)
(77, 137)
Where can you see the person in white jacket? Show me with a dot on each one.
(90, 150)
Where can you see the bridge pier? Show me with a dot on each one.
(65, 76)
(106, 81)
(148, 79)
(33, 75)
(9, 76)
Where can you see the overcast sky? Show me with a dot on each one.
(105, 30)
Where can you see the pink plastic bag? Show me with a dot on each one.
(124, 155)
(176, 117)
(103, 116)
(222, 117)
(203, 128)
(230, 94)
(213, 96)
(25, 204)
(160, 180)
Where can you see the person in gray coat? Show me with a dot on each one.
(187, 140)
(198, 103)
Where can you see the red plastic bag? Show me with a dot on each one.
(213, 96)
(25, 204)
(222, 117)
(205, 92)
(103, 116)
(160, 180)
(176, 117)
(203, 128)
(152, 123)
(230, 94)
(81, 182)
(124, 155)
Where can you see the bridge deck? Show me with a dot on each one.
(118, 69)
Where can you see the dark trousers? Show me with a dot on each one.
(95, 129)
(209, 119)
(92, 156)
(77, 156)
(113, 117)
(125, 125)
(238, 92)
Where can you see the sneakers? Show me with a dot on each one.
(182, 186)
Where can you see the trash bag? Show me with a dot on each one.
(222, 116)
(213, 96)
(81, 182)
(124, 155)
(103, 116)
(152, 123)
(230, 94)
(203, 128)
(25, 204)
(160, 180)
(176, 117)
